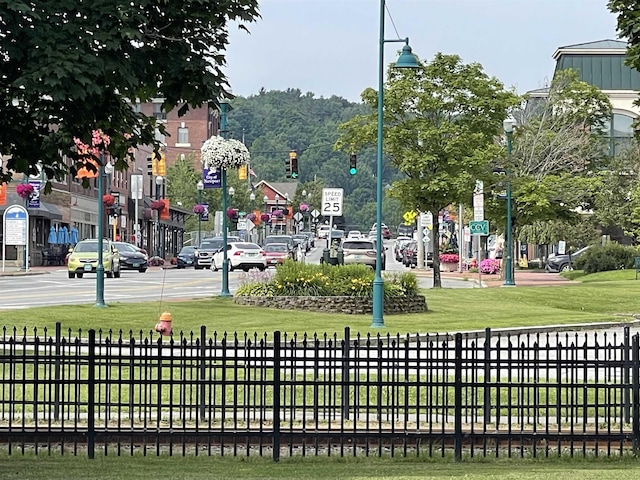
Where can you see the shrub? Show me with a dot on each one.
(612, 256)
(449, 258)
(490, 266)
(407, 281)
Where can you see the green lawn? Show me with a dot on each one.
(596, 299)
(175, 468)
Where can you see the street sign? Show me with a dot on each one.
(16, 220)
(315, 213)
(242, 224)
(211, 178)
(250, 225)
(332, 201)
(426, 220)
(478, 201)
(297, 216)
(479, 227)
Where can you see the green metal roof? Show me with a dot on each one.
(599, 63)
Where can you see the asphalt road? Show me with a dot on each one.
(55, 288)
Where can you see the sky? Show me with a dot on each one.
(330, 47)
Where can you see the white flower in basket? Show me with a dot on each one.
(220, 153)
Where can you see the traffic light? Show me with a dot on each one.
(150, 166)
(293, 159)
(287, 167)
(353, 169)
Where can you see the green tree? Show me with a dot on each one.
(441, 123)
(70, 67)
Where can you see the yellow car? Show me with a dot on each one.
(84, 259)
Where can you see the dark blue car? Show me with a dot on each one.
(186, 257)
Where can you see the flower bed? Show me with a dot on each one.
(324, 288)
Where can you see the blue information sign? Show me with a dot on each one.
(211, 178)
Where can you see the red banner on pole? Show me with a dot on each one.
(164, 213)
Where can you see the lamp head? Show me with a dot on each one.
(304, 193)
(265, 199)
(108, 168)
(277, 197)
(252, 197)
(232, 191)
(508, 124)
(407, 59)
(200, 185)
(159, 180)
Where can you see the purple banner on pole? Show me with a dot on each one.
(34, 198)
(211, 178)
(204, 216)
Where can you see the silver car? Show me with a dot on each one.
(362, 251)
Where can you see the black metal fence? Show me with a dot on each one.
(478, 394)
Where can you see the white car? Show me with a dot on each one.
(354, 235)
(323, 231)
(241, 255)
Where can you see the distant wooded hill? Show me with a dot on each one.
(275, 122)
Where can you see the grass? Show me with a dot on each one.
(601, 297)
(176, 468)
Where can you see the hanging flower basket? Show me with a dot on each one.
(277, 213)
(304, 207)
(252, 216)
(217, 152)
(24, 190)
(232, 213)
(157, 205)
(198, 209)
(109, 200)
(265, 217)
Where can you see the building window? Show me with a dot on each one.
(183, 135)
(158, 112)
(620, 132)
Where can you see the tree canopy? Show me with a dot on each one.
(68, 68)
(440, 128)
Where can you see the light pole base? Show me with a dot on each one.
(378, 303)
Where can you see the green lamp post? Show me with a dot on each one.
(105, 169)
(224, 292)
(200, 187)
(509, 281)
(405, 60)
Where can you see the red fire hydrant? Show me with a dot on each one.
(164, 325)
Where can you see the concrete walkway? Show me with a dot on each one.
(531, 278)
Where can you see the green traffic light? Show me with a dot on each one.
(294, 175)
(353, 170)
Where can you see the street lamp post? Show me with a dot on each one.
(200, 187)
(232, 192)
(265, 199)
(252, 200)
(159, 182)
(286, 217)
(277, 199)
(405, 60)
(224, 292)
(104, 169)
(509, 281)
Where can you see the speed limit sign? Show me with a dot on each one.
(332, 202)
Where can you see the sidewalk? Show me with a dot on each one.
(532, 278)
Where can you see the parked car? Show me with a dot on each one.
(186, 257)
(323, 231)
(362, 251)
(277, 253)
(410, 254)
(302, 240)
(241, 255)
(354, 235)
(84, 259)
(398, 244)
(131, 258)
(207, 248)
(288, 239)
(564, 262)
(311, 237)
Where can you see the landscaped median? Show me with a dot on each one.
(325, 288)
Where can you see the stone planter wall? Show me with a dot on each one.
(350, 305)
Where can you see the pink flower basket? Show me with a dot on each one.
(198, 209)
(24, 190)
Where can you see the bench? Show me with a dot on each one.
(54, 256)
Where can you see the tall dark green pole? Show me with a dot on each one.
(508, 277)
(100, 267)
(224, 108)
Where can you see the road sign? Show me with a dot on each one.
(426, 220)
(242, 224)
(332, 201)
(315, 213)
(250, 225)
(297, 216)
(480, 227)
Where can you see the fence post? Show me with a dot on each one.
(457, 399)
(276, 395)
(56, 374)
(91, 380)
(626, 391)
(345, 373)
(636, 393)
(487, 377)
(202, 370)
